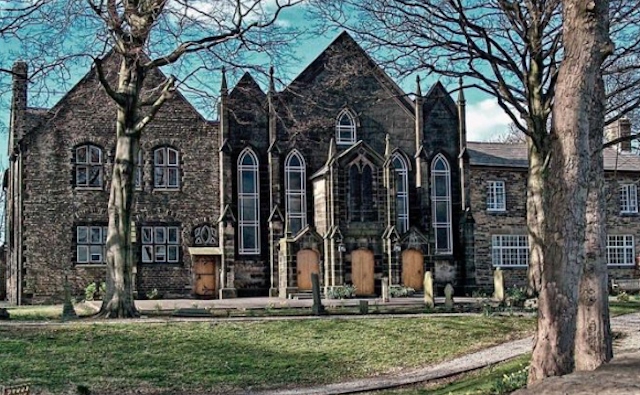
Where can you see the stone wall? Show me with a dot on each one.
(513, 221)
(53, 205)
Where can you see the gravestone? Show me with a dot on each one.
(448, 297)
(317, 308)
(4, 314)
(428, 290)
(498, 285)
(385, 289)
(364, 307)
(68, 312)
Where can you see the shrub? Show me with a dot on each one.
(516, 296)
(623, 297)
(400, 291)
(93, 292)
(342, 292)
(153, 294)
(510, 382)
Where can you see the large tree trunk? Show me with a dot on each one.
(119, 301)
(585, 38)
(535, 214)
(593, 334)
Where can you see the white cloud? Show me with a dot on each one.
(486, 120)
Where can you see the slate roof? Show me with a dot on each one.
(515, 155)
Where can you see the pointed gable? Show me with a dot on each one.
(247, 87)
(345, 47)
(438, 95)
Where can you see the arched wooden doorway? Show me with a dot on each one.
(362, 271)
(308, 262)
(412, 269)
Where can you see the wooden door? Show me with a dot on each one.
(412, 269)
(362, 272)
(308, 263)
(204, 269)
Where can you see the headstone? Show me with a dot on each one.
(428, 290)
(4, 314)
(364, 307)
(448, 297)
(317, 308)
(498, 285)
(385, 289)
(68, 312)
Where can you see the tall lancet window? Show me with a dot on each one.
(345, 128)
(248, 203)
(441, 204)
(402, 193)
(296, 191)
(360, 194)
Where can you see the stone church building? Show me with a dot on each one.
(341, 173)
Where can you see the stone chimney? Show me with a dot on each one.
(18, 103)
(621, 128)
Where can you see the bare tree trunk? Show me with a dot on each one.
(593, 334)
(586, 42)
(118, 301)
(535, 216)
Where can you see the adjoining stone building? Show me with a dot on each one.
(341, 173)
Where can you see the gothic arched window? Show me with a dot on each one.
(441, 204)
(360, 193)
(402, 193)
(166, 168)
(248, 203)
(295, 191)
(345, 127)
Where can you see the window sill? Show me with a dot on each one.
(345, 142)
(156, 189)
(629, 214)
(89, 188)
(161, 264)
(88, 265)
(496, 211)
(621, 266)
(510, 267)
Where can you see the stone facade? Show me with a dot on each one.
(507, 163)
(340, 173)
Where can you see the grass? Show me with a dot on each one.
(200, 357)
(617, 308)
(481, 382)
(45, 313)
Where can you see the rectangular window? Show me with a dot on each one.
(628, 198)
(620, 250)
(496, 200)
(160, 244)
(90, 244)
(510, 250)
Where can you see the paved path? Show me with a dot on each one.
(629, 324)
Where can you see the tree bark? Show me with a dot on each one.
(593, 334)
(585, 39)
(118, 301)
(535, 214)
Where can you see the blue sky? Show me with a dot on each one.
(485, 120)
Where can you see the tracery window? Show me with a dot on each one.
(402, 193)
(360, 194)
(441, 204)
(295, 190)
(345, 128)
(248, 203)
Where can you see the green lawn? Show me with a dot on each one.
(199, 357)
(45, 313)
(619, 308)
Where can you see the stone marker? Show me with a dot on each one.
(498, 285)
(317, 308)
(4, 314)
(68, 312)
(364, 307)
(385, 289)
(428, 290)
(448, 297)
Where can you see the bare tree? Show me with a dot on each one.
(511, 51)
(143, 35)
